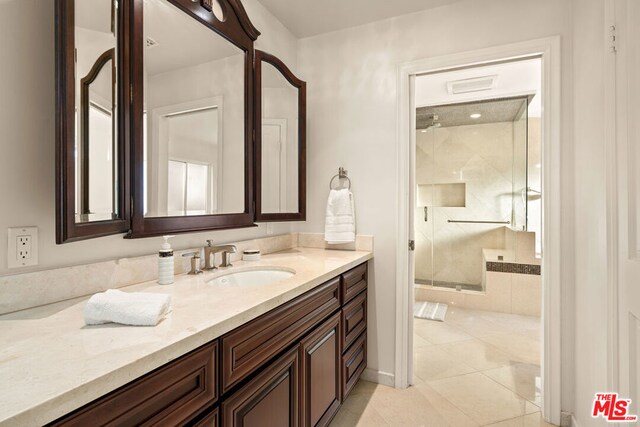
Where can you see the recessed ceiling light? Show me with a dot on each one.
(423, 131)
(475, 115)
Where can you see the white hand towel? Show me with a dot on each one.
(340, 223)
(136, 308)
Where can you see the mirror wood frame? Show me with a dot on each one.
(235, 28)
(260, 57)
(67, 229)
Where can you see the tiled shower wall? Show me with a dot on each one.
(481, 156)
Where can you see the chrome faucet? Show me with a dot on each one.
(210, 252)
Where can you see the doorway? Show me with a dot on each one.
(443, 201)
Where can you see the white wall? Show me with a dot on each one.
(352, 121)
(27, 123)
(590, 207)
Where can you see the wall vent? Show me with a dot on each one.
(472, 85)
(151, 42)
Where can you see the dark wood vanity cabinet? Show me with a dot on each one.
(292, 366)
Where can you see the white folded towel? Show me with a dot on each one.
(340, 223)
(136, 308)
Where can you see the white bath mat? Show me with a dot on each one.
(430, 310)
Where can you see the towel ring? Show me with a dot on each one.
(342, 174)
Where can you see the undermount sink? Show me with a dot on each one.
(251, 278)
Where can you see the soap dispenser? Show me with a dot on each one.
(165, 263)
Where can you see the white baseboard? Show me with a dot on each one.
(565, 419)
(574, 422)
(379, 377)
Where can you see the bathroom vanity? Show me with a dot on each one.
(287, 353)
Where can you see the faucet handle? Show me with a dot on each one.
(195, 262)
(226, 255)
(209, 243)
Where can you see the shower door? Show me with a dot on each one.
(423, 214)
(471, 185)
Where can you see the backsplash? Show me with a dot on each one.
(33, 289)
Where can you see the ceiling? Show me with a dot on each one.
(305, 18)
(496, 111)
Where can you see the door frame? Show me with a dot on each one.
(158, 143)
(549, 50)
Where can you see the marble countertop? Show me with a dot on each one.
(52, 363)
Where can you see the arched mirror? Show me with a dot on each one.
(192, 116)
(280, 141)
(92, 158)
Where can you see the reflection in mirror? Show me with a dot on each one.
(95, 143)
(279, 142)
(194, 112)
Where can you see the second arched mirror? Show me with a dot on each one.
(281, 100)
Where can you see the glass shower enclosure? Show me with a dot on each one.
(471, 186)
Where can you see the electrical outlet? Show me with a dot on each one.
(22, 247)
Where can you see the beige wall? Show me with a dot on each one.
(27, 164)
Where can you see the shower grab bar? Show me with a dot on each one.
(478, 222)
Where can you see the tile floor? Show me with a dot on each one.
(477, 368)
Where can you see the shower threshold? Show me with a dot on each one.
(450, 285)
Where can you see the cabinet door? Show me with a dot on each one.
(270, 399)
(320, 374)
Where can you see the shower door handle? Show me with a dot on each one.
(426, 214)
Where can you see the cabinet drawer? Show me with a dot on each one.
(250, 346)
(353, 363)
(211, 420)
(354, 319)
(354, 281)
(270, 399)
(171, 395)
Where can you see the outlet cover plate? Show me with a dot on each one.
(15, 236)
